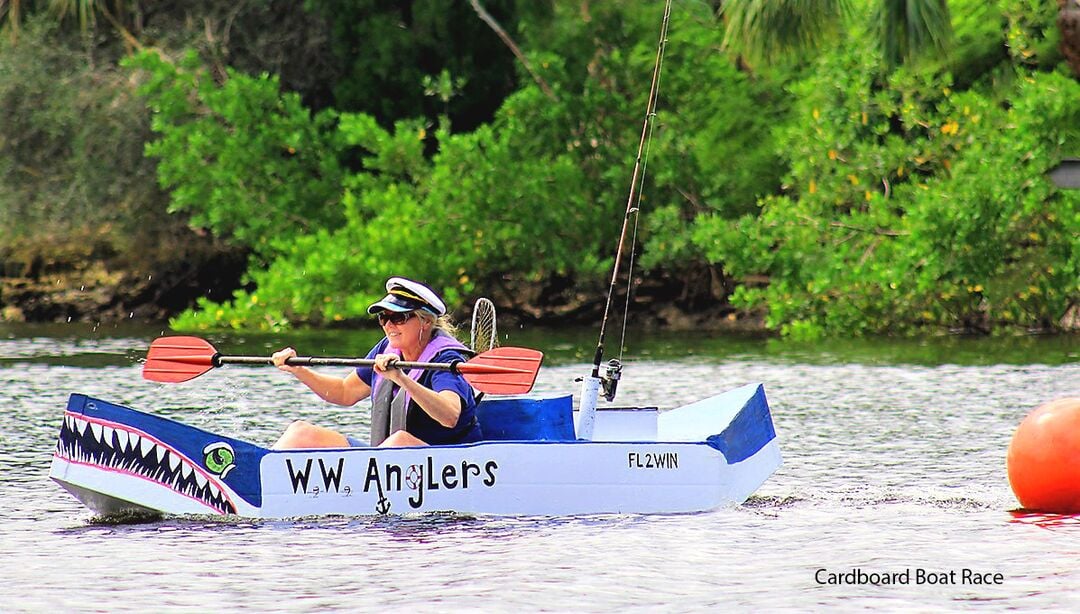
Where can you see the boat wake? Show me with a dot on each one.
(119, 448)
(764, 503)
(126, 517)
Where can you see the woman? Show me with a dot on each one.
(408, 409)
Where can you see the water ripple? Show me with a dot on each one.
(887, 467)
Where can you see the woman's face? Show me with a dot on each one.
(403, 330)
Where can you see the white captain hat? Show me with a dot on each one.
(408, 295)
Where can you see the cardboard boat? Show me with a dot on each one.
(702, 456)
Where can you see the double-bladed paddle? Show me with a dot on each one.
(503, 370)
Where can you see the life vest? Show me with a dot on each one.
(389, 405)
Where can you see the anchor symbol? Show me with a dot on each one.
(383, 506)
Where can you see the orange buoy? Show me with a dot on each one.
(1044, 458)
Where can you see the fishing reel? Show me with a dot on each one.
(609, 380)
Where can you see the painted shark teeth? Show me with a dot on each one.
(115, 447)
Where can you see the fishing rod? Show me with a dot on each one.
(590, 387)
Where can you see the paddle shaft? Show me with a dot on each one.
(329, 361)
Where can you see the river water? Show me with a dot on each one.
(894, 463)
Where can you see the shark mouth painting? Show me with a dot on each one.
(121, 449)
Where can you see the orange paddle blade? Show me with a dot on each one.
(505, 370)
(178, 359)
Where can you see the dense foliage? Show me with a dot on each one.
(63, 120)
(945, 220)
(836, 193)
(912, 205)
(538, 192)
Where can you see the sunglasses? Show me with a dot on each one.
(393, 317)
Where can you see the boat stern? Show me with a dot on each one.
(739, 424)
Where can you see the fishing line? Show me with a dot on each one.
(633, 202)
(641, 186)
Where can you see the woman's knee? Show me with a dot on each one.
(402, 439)
(298, 426)
(303, 434)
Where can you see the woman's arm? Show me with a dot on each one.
(444, 406)
(346, 391)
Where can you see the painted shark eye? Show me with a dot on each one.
(219, 458)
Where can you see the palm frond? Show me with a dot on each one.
(764, 30)
(908, 29)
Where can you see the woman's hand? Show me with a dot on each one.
(443, 407)
(281, 356)
(384, 366)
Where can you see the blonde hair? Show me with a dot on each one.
(443, 322)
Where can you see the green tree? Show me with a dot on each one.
(535, 195)
(892, 222)
(851, 186)
(244, 160)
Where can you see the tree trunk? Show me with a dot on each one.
(1069, 24)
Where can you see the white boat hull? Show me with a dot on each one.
(116, 459)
